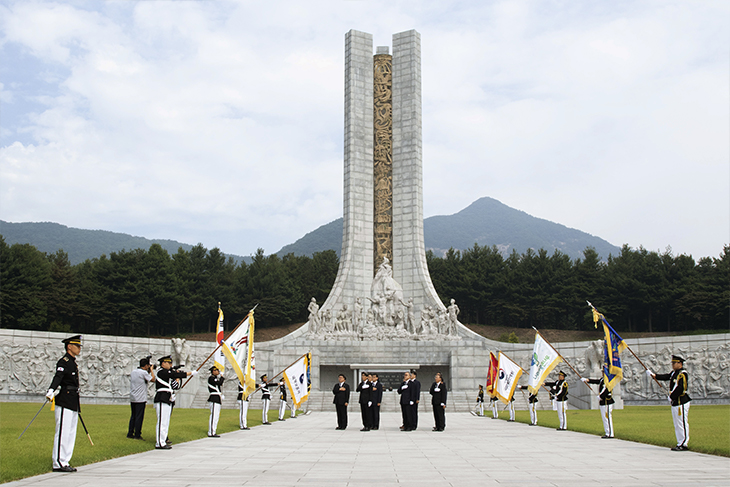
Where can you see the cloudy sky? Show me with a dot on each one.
(221, 122)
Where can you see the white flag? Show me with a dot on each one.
(544, 360)
(297, 378)
(239, 351)
(507, 376)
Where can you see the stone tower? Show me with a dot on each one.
(383, 190)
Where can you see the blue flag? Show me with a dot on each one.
(613, 346)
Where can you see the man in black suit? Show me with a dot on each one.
(376, 391)
(365, 402)
(438, 401)
(341, 390)
(415, 398)
(405, 401)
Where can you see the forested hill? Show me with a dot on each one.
(486, 222)
(81, 244)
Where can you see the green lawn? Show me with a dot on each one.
(709, 426)
(31, 455)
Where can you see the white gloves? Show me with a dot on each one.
(50, 394)
(411, 403)
(370, 403)
(404, 386)
(649, 372)
(584, 379)
(223, 396)
(669, 398)
(443, 405)
(193, 373)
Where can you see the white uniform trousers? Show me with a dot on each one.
(293, 408)
(562, 406)
(533, 412)
(681, 423)
(215, 415)
(607, 417)
(265, 410)
(65, 438)
(242, 414)
(163, 411)
(282, 409)
(495, 411)
(481, 408)
(511, 410)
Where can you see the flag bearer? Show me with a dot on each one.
(493, 405)
(480, 400)
(67, 405)
(282, 399)
(512, 409)
(605, 404)
(215, 383)
(265, 399)
(242, 408)
(678, 385)
(165, 398)
(531, 404)
(560, 389)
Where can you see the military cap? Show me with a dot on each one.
(262, 377)
(214, 368)
(678, 358)
(562, 373)
(74, 340)
(166, 358)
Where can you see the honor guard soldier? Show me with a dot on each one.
(493, 406)
(376, 396)
(480, 400)
(165, 398)
(438, 402)
(282, 399)
(532, 405)
(365, 400)
(67, 405)
(265, 399)
(242, 408)
(512, 409)
(605, 404)
(678, 397)
(559, 388)
(215, 398)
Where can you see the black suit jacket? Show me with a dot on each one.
(376, 392)
(341, 397)
(415, 390)
(405, 393)
(438, 397)
(365, 392)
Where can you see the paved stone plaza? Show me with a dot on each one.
(471, 452)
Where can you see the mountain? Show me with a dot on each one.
(485, 222)
(82, 244)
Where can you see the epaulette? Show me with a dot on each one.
(65, 359)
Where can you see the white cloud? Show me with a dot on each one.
(221, 122)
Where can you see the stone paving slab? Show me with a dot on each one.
(472, 451)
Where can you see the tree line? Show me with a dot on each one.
(154, 293)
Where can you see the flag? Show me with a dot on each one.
(507, 376)
(492, 374)
(544, 360)
(239, 350)
(612, 348)
(298, 379)
(218, 359)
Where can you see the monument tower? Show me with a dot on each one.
(383, 278)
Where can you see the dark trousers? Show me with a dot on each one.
(341, 416)
(367, 421)
(135, 421)
(414, 415)
(439, 416)
(376, 415)
(405, 411)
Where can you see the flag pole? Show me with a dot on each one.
(282, 371)
(566, 362)
(216, 348)
(632, 352)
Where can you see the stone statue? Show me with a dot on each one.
(314, 325)
(410, 321)
(453, 311)
(594, 358)
(357, 315)
(385, 286)
(180, 351)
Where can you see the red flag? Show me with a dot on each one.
(492, 374)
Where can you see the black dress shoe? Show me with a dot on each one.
(365, 429)
(138, 438)
(266, 423)
(166, 447)
(65, 468)
(130, 436)
(214, 436)
(246, 428)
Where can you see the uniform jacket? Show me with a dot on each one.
(265, 392)
(678, 386)
(341, 397)
(164, 384)
(560, 389)
(605, 395)
(215, 383)
(240, 393)
(67, 376)
(282, 392)
(531, 398)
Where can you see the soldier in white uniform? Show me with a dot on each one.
(243, 404)
(560, 389)
(605, 404)
(165, 398)
(215, 398)
(678, 397)
(532, 405)
(265, 399)
(67, 405)
(282, 400)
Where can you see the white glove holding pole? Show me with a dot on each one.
(649, 373)
(584, 379)
(50, 394)
(194, 373)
